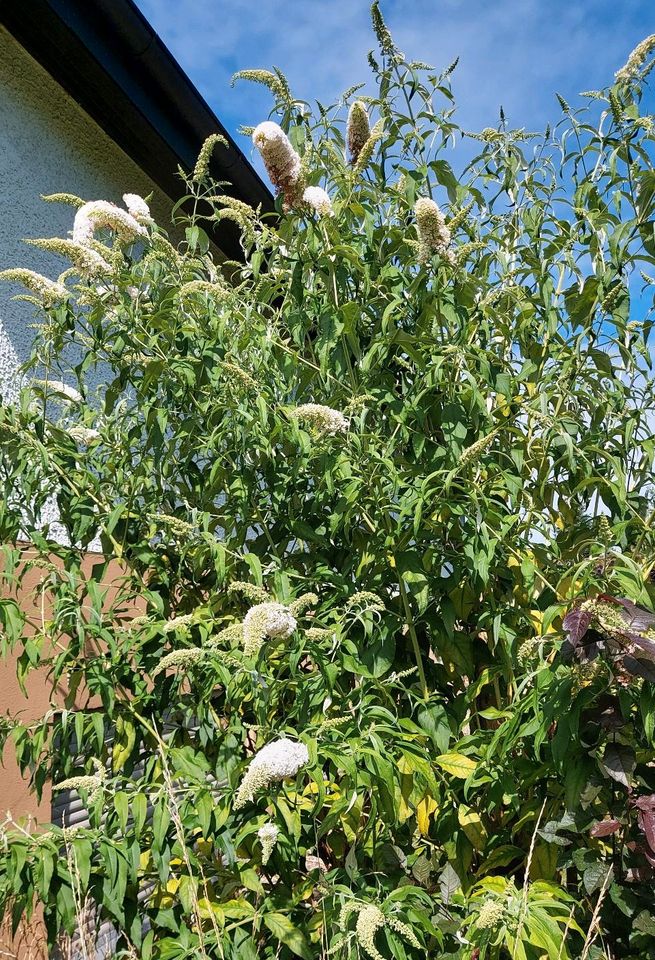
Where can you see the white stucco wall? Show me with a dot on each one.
(48, 144)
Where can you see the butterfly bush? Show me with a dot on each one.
(280, 159)
(321, 418)
(273, 763)
(49, 291)
(85, 435)
(63, 390)
(358, 129)
(370, 676)
(269, 619)
(434, 236)
(319, 201)
(102, 215)
(137, 208)
(268, 835)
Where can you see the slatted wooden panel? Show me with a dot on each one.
(100, 937)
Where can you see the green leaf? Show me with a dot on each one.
(411, 570)
(619, 763)
(293, 938)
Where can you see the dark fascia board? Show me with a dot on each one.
(106, 55)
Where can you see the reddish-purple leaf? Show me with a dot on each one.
(604, 828)
(639, 619)
(646, 817)
(640, 667)
(644, 644)
(576, 623)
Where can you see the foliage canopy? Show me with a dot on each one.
(436, 593)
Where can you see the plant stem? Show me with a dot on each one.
(413, 636)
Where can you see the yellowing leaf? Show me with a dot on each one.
(124, 741)
(403, 793)
(424, 811)
(456, 764)
(472, 826)
(405, 767)
(207, 909)
(536, 617)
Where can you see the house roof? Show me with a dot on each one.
(106, 55)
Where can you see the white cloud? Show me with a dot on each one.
(514, 52)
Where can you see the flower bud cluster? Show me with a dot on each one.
(358, 129)
(324, 420)
(266, 620)
(102, 215)
(433, 234)
(273, 763)
(268, 835)
(280, 159)
(49, 291)
(491, 914)
(636, 60)
(319, 201)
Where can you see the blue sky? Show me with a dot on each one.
(512, 52)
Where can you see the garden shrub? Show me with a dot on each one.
(376, 675)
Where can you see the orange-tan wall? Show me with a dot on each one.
(14, 792)
(16, 799)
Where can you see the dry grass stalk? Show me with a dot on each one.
(594, 926)
(179, 832)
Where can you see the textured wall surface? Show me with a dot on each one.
(48, 144)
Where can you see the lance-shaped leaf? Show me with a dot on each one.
(619, 763)
(576, 623)
(646, 817)
(605, 828)
(640, 620)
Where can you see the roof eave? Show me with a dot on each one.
(109, 59)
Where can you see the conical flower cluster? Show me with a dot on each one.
(49, 291)
(319, 201)
(280, 159)
(269, 619)
(274, 762)
(137, 207)
(323, 419)
(92, 784)
(83, 257)
(490, 915)
(370, 919)
(85, 435)
(433, 234)
(636, 60)
(63, 390)
(268, 835)
(102, 215)
(358, 129)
